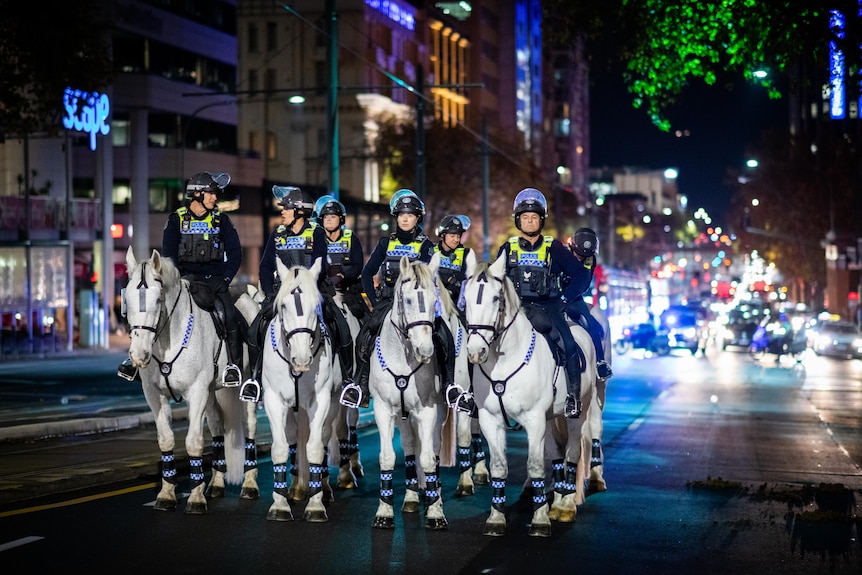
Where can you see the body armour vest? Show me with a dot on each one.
(200, 239)
(338, 251)
(394, 251)
(531, 271)
(295, 250)
(451, 270)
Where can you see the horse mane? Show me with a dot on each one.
(449, 306)
(513, 300)
(169, 273)
(422, 273)
(296, 279)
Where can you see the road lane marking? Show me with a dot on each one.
(636, 423)
(20, 542)
(78, 500)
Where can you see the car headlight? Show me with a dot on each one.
(689, 332)
(857, 343)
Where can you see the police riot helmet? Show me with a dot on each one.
(327, 205)
(453, 224)
(406, 202)
(293, 198)
(201, 182)
(585, 242)
(530, 200)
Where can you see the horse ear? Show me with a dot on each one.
(470, 260)
(498, 268)
(281, 269)
(434, 264)
(131, 262)
(156, 260)
(316, 267)
(404, 266)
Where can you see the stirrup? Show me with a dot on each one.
(604, 370)
(453, 392)
(250, 391)
(230, 376)
(573, 407)
(128, 371)
(353, 396)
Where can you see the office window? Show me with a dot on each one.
(271, 37)
(253, 37)
(269, 83)
(270, 146)
(252, 81)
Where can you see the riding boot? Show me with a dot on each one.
(573, 387)
(444, 345)
(355, 393)
(250, 390)
(603, 369)
(233, 371)
(128, 371)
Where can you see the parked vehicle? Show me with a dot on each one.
(837, 339)
(642, 336)
(739, 324)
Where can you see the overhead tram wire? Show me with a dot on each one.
(402, 84)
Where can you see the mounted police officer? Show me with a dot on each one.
(536, 265)
(452, 273)
(296, 242)
(344, 254)
(205, 246)
(585, 246)
(407, 240)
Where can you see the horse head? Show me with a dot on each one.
(144, 300)
(414, 307)
(488, 293)
(298, 307)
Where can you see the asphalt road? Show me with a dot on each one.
(714, 464)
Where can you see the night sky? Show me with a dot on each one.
(721, 124)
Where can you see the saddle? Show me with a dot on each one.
(206, 299)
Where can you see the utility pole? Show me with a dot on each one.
(420, 131)
(332, 99)
(486, 240)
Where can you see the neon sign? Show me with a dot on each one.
(400, 14)
(86, 112)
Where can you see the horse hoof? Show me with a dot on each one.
(349, 484)
(196, 509)
(356, 468)
(165, 505)
(383, 523)
(554, 514)
(315, 516)
(410, 507)
(597, 486)
(465, 490)
(481, 479)
(436, 524)
(541, 530)
(215, 492)
(565, 515)
(494, 529)
(279, 515)
(250, 493)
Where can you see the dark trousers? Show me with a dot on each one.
(548, 318)
(224, 302)
(579, 309)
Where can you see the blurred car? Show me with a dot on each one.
(686, 328)
(739, 324)
(837, 339)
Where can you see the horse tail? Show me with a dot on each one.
(448, 440)
(232, 409)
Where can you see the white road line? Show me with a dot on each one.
(20, 542)
(636, 423)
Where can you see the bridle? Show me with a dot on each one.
(500, 327)
(142, 288)
(403, 327)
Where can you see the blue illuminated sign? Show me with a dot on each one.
(402, 15)
(86, 112)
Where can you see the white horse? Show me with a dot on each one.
(517, 378)
(597, 458)
(178, 353)
(403, 383)
(298, 374)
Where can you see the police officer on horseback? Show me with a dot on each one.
(344, 254)
(205, 246)
(585, 246)
(297, 241)
(536, 265)
(407, 240)
(452, 273)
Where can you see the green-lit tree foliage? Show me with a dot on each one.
(45, 47)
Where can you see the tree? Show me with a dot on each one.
(454, 176)
(662, 46)
(45, 48)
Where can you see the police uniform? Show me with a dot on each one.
(293, 249)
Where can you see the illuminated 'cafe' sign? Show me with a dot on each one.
(86, 112)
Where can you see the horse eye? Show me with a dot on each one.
(408, 301)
